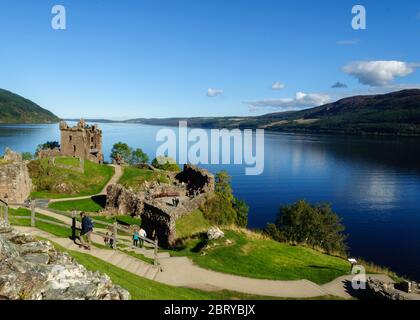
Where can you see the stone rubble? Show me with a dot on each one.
(34, 270)
(215, 233)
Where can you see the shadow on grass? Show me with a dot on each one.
(100, 200)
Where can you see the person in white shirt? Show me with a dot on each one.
(142, 234)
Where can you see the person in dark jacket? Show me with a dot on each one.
(86, 232)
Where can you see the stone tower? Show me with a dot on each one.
(81, 141)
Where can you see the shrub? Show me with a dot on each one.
(224, 208)
(165, 163)
(27, 156)
(316, 226)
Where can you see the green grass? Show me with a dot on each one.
(49, 179)
(144, 289)
(87, 205)
(137, 255)
(135, 177)
(191, 224)
(50, 228)
(258, 257)
(67, 161)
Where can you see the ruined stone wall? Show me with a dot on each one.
(15, 182)
(120, 200)
(81, 141)
(196, 179)
(49, 153)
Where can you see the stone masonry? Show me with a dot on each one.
(192, 187)
(81, 141)
(15, 182)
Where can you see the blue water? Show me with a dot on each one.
(372, 183)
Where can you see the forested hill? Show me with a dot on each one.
(16, 109)
(396, 113)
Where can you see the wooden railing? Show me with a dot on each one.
(115, 227)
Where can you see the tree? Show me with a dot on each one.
(121, 151)
(139, 157)
(241, 209)
(48, 145)
(316, 226)
(165, 163)
(224, 208)
(27, 156)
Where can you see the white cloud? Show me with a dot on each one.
(348, 42)
(278, 86)
(300, 101)
(378, 73)
(211, 92)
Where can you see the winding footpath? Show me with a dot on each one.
(115, 178)
(181, 272)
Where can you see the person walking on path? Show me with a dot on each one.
(136, 238)
(142, 234)
(86, 232)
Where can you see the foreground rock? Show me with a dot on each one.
(34, 270)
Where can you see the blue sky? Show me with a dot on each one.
(135, 58)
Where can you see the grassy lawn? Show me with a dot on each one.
(256, 257)
(52, 182)
(87, 205)
(144, 289)
(134, 177)
(53, 229)
(191, 224)
(67, 161)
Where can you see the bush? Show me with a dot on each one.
(48, 145)
(317, 226)
(224, 208)
(138, 157)
(27, 156)
(165, 163)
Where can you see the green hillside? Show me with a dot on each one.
(396, 113)
(16, 109)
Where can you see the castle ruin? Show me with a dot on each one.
(82, 141)
(15, 182)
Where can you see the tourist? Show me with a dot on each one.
(86, 232)
(136, 238)
(142, 234)
(111, 241)
(106, 239)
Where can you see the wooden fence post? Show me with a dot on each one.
(115, 235)
(6, 214)
(33, 213)
(73, 226)
(156, 253)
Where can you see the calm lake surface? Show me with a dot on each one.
(372, 183)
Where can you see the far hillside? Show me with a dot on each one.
(16, 109)
(396, 113)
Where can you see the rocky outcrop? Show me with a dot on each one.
(15, 182)
(379, 290)
(215, 233)
(34, 270)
